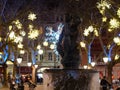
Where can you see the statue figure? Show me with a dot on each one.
(68, 45)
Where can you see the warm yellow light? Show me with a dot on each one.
(45, 43)
(90, 28)
(9, 62)
(29, 64)
(118, 12)
(30, 26)
(22, 51)
(38, 46)
(52, 46)
(19, 26)
(114, 23)
(85, 66)
(40, 51)
(12, 35)
(10, 27)
(32, 16)
(18, 39)
(96, 32)
(105, 59)
(20, 45)
(23, 33)
(118, 43)
(0, 39)
(16, 22)
(102, 5)
(1, 53)
(110, 30)
(92, 64)
(117, 57)
(86, 32)
(104, 19)
(116, 39)
(36, 66)
(19, 60)
(33, 34)
(82, 44)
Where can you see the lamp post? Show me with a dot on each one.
(19, 60)
(34, 67)
(85, 67)
(105, 59)
(29, 65)
(92, 64)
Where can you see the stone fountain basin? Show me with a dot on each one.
(71, 79)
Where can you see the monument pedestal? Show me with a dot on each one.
(71, 79)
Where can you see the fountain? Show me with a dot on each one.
(70, 77)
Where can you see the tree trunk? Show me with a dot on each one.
(109, 69)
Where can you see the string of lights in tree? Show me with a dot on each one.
(110, 20)
(15, 35)
(52, 36)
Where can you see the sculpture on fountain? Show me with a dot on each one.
(70, 77)
(68, 45)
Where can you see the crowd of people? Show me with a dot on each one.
(105, 85)
(15, 83)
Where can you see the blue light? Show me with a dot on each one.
(118, 34)
(52, 36)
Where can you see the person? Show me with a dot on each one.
(104, 83)
(1, 83)
(12, 84)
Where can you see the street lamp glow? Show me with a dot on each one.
(105, 59)
(85, 66)
(19, 60)
(40, 51)
(92, 64)
(29, 64)
(36, 66)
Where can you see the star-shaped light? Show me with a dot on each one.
(118, 12)
(114, 23)
(32, 16)
(33, 34)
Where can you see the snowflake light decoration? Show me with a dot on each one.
(53, 36)
(33, 34)
(32, 16)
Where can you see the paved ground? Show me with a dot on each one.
(4, 88)
(39, 87)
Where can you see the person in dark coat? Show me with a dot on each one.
(104, 83)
